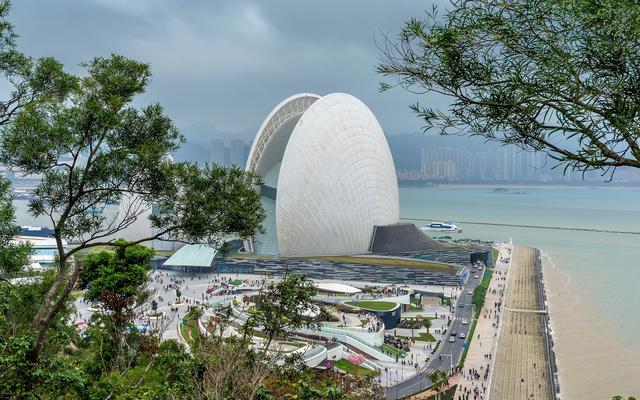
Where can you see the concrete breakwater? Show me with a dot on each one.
(561, 228)
(551, 364)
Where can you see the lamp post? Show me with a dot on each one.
(451, 359)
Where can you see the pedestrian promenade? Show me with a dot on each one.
(521, 359)
(474, 379)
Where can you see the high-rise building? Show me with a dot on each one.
(236, 156)
(217, 152)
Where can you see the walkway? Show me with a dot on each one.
(521, 362)
(475, 379)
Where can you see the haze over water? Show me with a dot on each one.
(591, 278)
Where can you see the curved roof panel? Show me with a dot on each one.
(337, 180)
(268, 147)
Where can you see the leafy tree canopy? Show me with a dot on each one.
(120, 273)
(13, 256)
(285, 305)
(560, 76)
(92, 147)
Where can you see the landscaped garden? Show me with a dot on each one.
(481, 291)
(421, 337)
(393, 351)
(355, 370)
(190, 331)
(373, 305)
(415, 323)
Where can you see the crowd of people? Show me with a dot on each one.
(474, 381)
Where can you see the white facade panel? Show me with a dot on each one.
(336, 178)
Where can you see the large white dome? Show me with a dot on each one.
(333, 175)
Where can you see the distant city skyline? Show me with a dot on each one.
(504, 164)
(233, 154)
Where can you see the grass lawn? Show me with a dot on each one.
(349, 368)
(396, 262)
(414, 308)
(164, 252)
(96, 249)
(393, 351)
(373, 305)
(235, 282)
(422, 337)
(425, 337)
(190, 332)
(494, 254)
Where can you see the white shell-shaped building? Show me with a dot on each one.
(328, 177)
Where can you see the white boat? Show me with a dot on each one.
(443, 226)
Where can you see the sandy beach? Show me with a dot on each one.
(590, 364)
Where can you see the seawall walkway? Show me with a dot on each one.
(524, 365)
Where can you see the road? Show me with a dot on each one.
(448, 353)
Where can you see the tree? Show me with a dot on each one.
(92, 148)
(13, 256)
(438, 378)
(283, 306)
(426, 322)
(154, 306)
(558, 76)
(117, 280)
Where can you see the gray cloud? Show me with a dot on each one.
(227, 63)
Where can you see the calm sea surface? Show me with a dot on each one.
(592, 278)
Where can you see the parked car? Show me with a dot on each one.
(462, 335)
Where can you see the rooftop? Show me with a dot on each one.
(337, 288)
(192, 255)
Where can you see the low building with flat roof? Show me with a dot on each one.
(44, 250)
(192, 258)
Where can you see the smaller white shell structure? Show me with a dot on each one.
(328, 165)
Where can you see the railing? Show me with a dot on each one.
(348, 332)
(349, 339)
(315, 356)
(358, 330)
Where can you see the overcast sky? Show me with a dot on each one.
(228, 63)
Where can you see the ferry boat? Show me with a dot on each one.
(443, 226)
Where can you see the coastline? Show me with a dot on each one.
(590, 365)
(548, 334)
(518, 186)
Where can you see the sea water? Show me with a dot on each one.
(592, 278)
